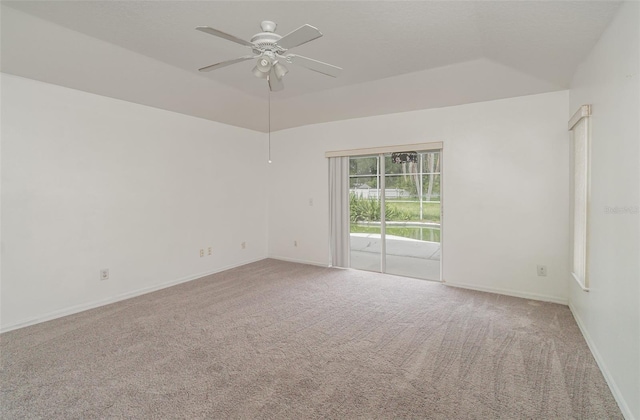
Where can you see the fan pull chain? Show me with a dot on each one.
(269, 114)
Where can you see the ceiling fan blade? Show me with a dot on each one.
(227, 63)
(275, 84)
(300, 36)
(224, 35)
(314, 65)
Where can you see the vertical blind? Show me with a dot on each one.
(339, 211)
(579, 129)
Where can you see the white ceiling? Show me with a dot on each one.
(396, 55)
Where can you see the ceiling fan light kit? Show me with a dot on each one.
(259, 74)
(280, 70)
(271, 52)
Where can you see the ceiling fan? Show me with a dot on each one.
(271, 52)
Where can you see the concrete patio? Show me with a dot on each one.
(405, 256)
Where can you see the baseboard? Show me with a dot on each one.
(622, 404)
(293, 260)
(124, 296)
(507, 292)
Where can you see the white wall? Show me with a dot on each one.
(609, 314)
(90, 182)
(505, 186)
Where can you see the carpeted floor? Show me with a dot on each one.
(281, 340)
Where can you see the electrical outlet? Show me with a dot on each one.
(243, 245)
(201, 253)
(542, 270)
(295, 243)
(311, 202)
(209, 251)
(104, 274)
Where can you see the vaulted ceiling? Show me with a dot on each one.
(397, 55)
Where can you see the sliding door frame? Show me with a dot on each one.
(382, 173)
(380, 152)
(372, 151)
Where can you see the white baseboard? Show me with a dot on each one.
(626, 411)
(507, 292)
(124, 296)
(293, 260)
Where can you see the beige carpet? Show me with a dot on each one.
(280, 340)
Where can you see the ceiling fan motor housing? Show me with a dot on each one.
(266, 41)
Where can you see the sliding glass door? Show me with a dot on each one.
(395, 213)
(412, 216)
(364, 212)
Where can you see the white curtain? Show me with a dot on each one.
(339, 211)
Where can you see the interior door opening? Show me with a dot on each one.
(395, 213)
